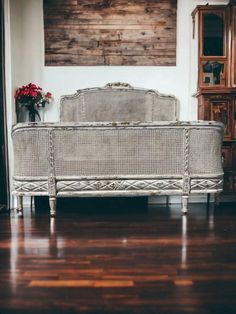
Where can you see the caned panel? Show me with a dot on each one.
(113, 151)
(118, 105)
(205, 151)
(31, 152)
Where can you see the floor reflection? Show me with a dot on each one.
(33, 240)
(184, 242)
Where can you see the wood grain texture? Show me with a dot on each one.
(82, 283)
(110, 32)
(94, 260)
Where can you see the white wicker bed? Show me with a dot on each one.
(113, 141)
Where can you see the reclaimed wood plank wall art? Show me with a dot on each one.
(110, 32)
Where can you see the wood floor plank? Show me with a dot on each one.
(183, 282)
(119, 261)
(81, 283)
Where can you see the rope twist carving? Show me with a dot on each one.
(186, 152)
(51, 178)
(186, 179)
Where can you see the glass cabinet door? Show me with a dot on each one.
(213, 55)
(213, 73)
(213, 30)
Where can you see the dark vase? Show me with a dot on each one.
(31, 116)
(33, 112)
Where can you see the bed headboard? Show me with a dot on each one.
(117, 102)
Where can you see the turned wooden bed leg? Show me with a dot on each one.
(31, 202)
(217, 199)
(184, 208)
(19, 208)
(167, 200)
(53, 204)
(208, 198)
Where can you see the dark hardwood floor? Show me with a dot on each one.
(119, 260)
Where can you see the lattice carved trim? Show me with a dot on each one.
(111, 185)
(206, 184)
(31, 186)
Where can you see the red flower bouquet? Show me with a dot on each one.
(31, 97)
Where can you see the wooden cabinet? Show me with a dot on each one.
(219, 107)
(222, 107)
(217, 77)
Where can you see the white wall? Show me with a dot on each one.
(27, 62)
(27, 43)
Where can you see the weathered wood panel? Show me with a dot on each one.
(110, 32)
